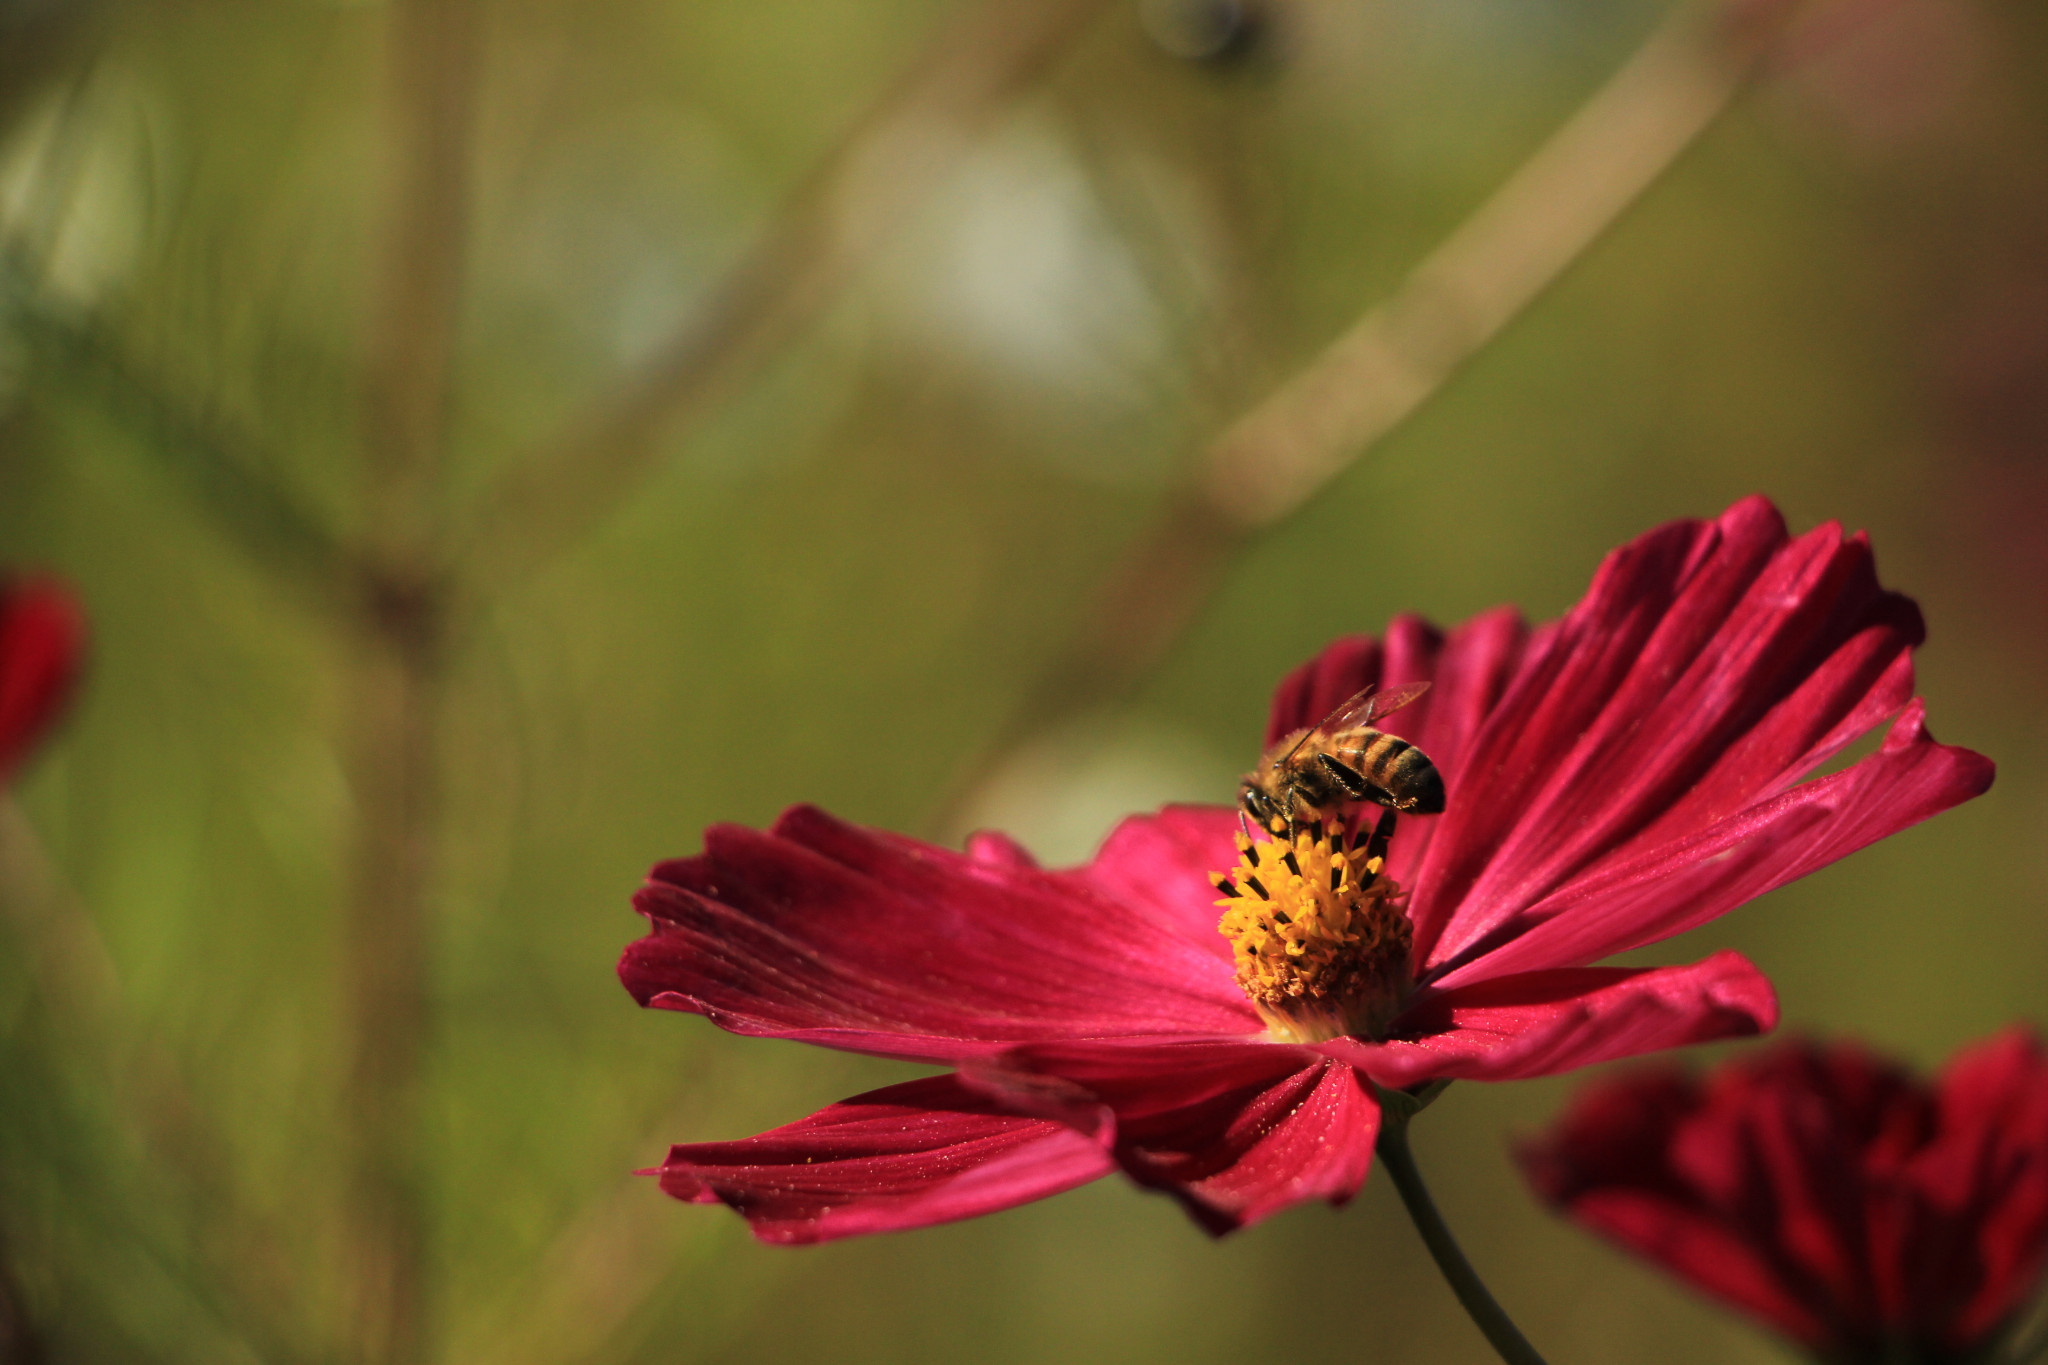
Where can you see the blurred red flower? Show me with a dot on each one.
(42, 636)
(1825, 1191)
(1615, 777)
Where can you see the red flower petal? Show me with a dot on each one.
(908, 1156)
(1622, 775)
(42, 637)
(1990, 1174)
(1615, 778)
(822, 931)
(1541, 1023)
(1235, 1131)
(1826, 1191)
(1162, 862)
(1606, 1164)
(1653, 893)
(1710, 665)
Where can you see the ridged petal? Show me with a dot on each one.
(1629, 765)
(1542, 1023)
(1988, 1175)
(1162, 863)
(908, 1156)
(1667, 888)
(826, 932)
(1709, 667)
(1235, 1131)
(1825, 1190)
(1606, 1164)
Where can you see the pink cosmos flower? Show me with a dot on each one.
(42, 635)
(1614, 778)
(1824, 1191)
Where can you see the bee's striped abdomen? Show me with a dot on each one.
(1401, 770)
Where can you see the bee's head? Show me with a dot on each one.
(1256, 802)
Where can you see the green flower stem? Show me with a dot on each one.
(2027, 1347)
(1396, 1109)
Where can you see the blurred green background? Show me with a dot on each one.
(843, 574)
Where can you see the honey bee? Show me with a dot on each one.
(1311, 775)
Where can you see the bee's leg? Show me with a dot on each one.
(1348, 778)
(1358, 786)
(1380, 796)
(1359, 833)
(1276, 824)
(1382, 835)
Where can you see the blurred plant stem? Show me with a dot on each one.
(433, 57)
(79, 991)
(1396, 1110)
(408, 583)
(226, 469)
(1480, 278)
(856, 198)
(216, 463)
(41, 42)
(2027, 1343)
(66, 957)
(1172, 152)
(391, 770)
(1368, 381)
(19, 1343)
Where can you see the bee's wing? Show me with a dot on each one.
(1368, 705)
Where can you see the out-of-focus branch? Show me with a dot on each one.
(224, 468)
(1481, 277)
(77, 986)
(409, 370)
(835, 220)
(847, 207)
(394, 689)
(66, 957)
(219, 466)
(1364, 384)
(605, 1265)
(2027, 1342)
(20, 1344)
(434, 55)
(40, 43)
(600, 1270)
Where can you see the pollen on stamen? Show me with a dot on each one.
(1319, 933)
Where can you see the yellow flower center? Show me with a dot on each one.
(1319, 935)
